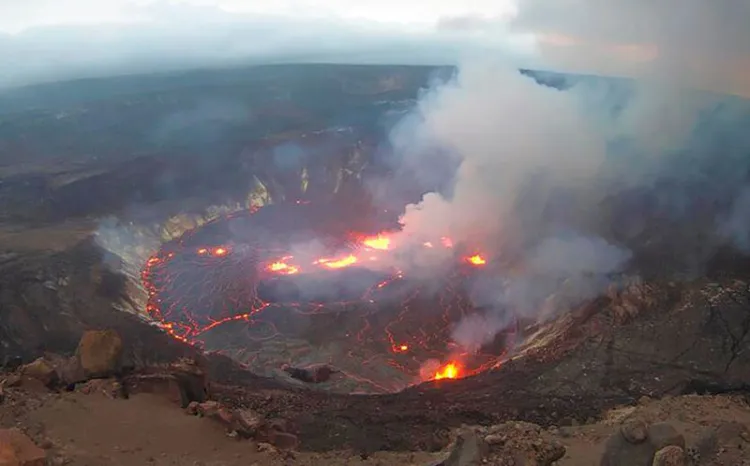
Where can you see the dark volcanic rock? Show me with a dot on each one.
(634, 430)
(704, 445)
(730, 432)
(619, 452)
(663, 434)
(192, 380)
(317, 373)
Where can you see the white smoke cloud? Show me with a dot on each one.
(506, 128)
(695, 43)
(520, 144)
(559, 274)
(538, 163)
(89, 40)
(690, 43)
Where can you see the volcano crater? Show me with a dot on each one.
(300, 284)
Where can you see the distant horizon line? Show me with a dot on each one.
(166, 73)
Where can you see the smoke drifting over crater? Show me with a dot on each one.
(561, 186)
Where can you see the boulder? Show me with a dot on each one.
(730, 432)
(619, 451)
(192, 408)
(69, 370)
(704, 444)
(244, 422)
(183, 382)
(248, 423)
(523, 443)
(265, 447)
(283, 440)
(663, 434)
(192, 381)
(316, 373)
(41, 370)
(469, 449)
(16, 449)
(207, 408)
(100, 353)
(670, 456)
(110, 388)
(634, 430)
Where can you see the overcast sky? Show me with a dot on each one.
(704, 43)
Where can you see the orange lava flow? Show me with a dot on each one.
(371, 244)
(338, 263)
(282, 267)
(380, 242)
(450, 371)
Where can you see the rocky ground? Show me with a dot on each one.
(88, 410)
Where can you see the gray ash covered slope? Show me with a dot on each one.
(150, 148)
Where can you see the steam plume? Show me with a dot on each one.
(559, 183)
(506, 129)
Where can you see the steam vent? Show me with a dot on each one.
(330, 260)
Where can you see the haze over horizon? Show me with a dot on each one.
(704, 46)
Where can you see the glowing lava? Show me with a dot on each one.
(338, 263)
(450, 371)
(370, 245)
(477, 260)
(282, 267)
(380, 242)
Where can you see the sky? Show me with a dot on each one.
(706, 44)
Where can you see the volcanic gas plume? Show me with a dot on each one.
(570, 185)
(243, 281)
